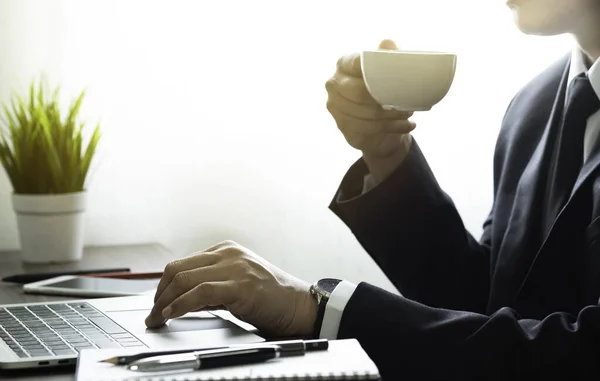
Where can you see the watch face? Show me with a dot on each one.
(328, 284)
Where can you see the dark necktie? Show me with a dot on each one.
(582, 102)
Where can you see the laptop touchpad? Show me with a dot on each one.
(191, 323)
(133, 321)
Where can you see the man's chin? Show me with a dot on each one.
(534, 26)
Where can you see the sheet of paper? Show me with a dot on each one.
(344, 358)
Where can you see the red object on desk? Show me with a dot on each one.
(127, 275)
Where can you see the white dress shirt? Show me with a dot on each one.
(342, 293)
(578, 66)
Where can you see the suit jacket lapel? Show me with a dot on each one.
(522, 240)
(570, 217)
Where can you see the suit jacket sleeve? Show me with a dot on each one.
(413, 231)
(409, 340)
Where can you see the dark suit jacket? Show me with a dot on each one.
(516, 304)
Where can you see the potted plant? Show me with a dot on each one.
(43, 153)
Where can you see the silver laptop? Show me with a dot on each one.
(51, 334)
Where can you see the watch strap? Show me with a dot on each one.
(322, 305)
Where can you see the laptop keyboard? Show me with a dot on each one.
(60, 329)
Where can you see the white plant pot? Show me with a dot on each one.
(51, 227)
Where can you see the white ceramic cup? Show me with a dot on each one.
(407, 80)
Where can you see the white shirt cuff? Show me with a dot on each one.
(335, 308)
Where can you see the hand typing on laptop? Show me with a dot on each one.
(249, 287)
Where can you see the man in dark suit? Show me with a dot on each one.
(521, 303)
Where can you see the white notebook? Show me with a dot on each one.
(344, 360)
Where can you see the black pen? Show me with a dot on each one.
(207, 359)
(288, 348)
(35, 277)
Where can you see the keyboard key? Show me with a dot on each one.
(63, 352)
(69, 315)
(58, 346)
(122, 336)
(21, 354)
(95, 332)
(85, 325)
(83, 345)
(108, 325)
(22, 337)
(79, 339)
(21, 333)
(33, 322)
(64, 329)
(37, 308)
(38, 330)
(81, 307)
(106, 344)
(52, 342)
(121, 341)
(59, 307)
(38, 353)
(60, 324)
(29, 344)
(11, 326)
(28, 341)
(71, 337)
(49, 337)
(131, 345)
(66, 332)
(93, 314)
(95, 335)
(47, 316)
(31, 341)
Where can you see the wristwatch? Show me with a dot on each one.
(321, 291)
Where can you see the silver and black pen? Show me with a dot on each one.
(226, 356)
(288, 348)
(212, 358)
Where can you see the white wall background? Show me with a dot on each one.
(214, 118)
